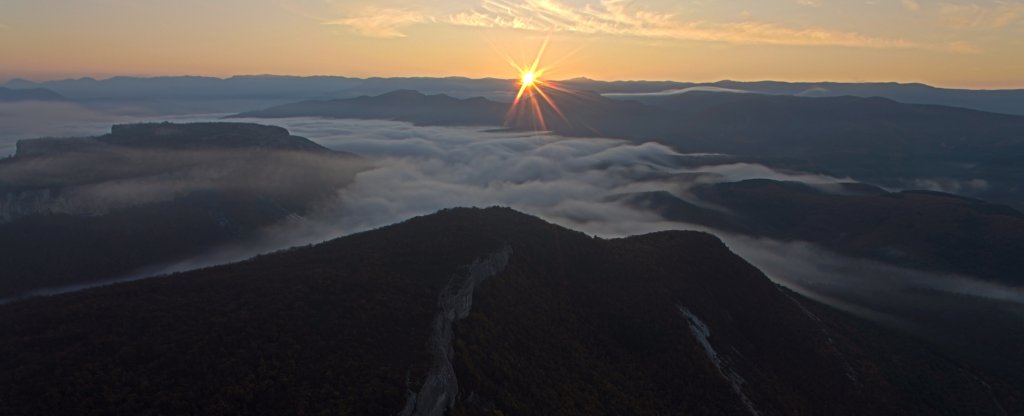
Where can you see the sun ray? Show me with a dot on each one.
(531, 99)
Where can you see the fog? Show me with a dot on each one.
(98, 182)
(25, 120)
(569, 181)
(415, 171)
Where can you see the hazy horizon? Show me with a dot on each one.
(968, 44)
(105, 77)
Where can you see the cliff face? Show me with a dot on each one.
(199, 135)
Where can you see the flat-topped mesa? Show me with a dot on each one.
(214, 135)
(205, 135)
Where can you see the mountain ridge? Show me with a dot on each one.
(649, 324)
(1008, 101)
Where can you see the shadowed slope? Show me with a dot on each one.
(667, 323)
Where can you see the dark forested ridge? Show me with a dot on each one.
(666, 323)
(925, 230)
(81, 210)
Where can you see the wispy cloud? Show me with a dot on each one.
(810, 3)
(995, 15)
(617, 17)
(609, 17)
(623, 18)
(380, 23)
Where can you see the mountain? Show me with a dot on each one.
(830, 128)
(402, 105)
(31, 94)
(471, 312)
(930, 237)
(149, 194)
(260, 87)
(924, 230)
(1010, 101)
(294, 88)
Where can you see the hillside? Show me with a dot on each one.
(470, 312)
(924, 230)
(28, 94)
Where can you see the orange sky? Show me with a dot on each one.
(948, 43)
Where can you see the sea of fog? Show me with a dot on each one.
(569, 181)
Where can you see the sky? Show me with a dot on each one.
(954, 43)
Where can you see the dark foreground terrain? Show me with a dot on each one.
(472, 312)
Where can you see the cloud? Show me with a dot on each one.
(911, 5)
(417, 171)
(963, 47)
(995, 15)
(941, 308)
(616, 17)
(124, 177)
(569, 181)
(380, 22)
(610, 17)
(809, 3)
(23, 120)
(949, 185)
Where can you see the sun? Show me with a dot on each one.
(531, 99)
(528, 78)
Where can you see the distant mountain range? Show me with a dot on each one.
(29, 94)
(149, 194)
(997, 101)
(473, 312)
(404, 105)
(291, 88)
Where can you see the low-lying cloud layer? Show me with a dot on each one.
(570, 181)
(96, 182)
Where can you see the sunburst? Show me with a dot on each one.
(527, 108)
